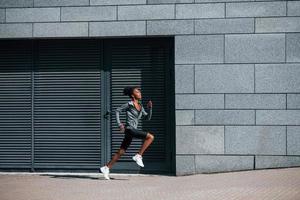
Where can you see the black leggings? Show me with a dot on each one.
(132, 133)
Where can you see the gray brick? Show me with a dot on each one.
(2, 15)
(185, 165)
(40, 3)
(293, 101)
(278, 24)
(255, 9)
(184, 78)
(15, 30)
(277, 78)
(293, 140)
(255, 101)
(293, 47)
(16, 3)
(170, 27)
(169, 1)
(99, 13)
(148, 12)
(214, 26)
(126, 28)
(220, 163)
(224, 117)
(278, 117)
(117, 2)
(199, 101)
(293, 8)
(255, 48)
(276, 161)
(224, 78)
(199, 139)
(185, 117)
(270, 140)
(199, 49)
(188, 11)
(60, 29)
(32, 14)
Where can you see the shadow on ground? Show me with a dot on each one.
(81, 177)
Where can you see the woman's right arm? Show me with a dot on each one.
(118, 111)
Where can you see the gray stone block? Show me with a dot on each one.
(185, 117)
(199, 49)
(126, 28)
(170, 27)
(293, 101)
(255, 9)
(41, 3)
(262, 162)
(224, 117)
(293, 47)
(2, 15)
(293, 140)
(293, 8)
(278, 24)
(254, 48)
(185, 165)
(199, 140)
(277, 78)
(169, 1)
(270, 140)
(15, 30)
(224, 78)
(16, 3)
(199, 101)
(214, 26)
(255, 101)
(32, 14)
(191, 11)
(98, 13)
(143, 12)
(184, 79)
(222, 163)
(278, 117)
(117, 2)
(60, 29)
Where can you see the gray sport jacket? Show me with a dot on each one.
(132, 114)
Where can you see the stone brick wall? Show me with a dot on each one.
(237, 69)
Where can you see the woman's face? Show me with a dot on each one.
(137, 93)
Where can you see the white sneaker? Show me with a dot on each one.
(105, 172)
(138, 159)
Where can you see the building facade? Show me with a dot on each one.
(223, 75)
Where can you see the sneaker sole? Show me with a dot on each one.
(107, 178)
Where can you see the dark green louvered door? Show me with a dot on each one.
(144, 63)
(58, 96)
(67, 104)
(15, 104)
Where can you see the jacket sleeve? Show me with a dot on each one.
(123, 107)
(146, 115)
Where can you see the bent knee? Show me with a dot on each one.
(151, 136)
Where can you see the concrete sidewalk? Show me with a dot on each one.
(267, 184)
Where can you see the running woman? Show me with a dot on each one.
(134, 111)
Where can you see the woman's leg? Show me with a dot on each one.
(116, 157)
(148, 140)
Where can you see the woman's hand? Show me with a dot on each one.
(149, 105)
(122, 128)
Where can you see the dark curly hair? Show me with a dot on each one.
(129, 91)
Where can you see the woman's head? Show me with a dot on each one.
(133, 92)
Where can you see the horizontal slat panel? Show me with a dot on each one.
(143, 66)
(15, 103)
(67, 104)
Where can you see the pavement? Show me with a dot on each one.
(267, 184)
